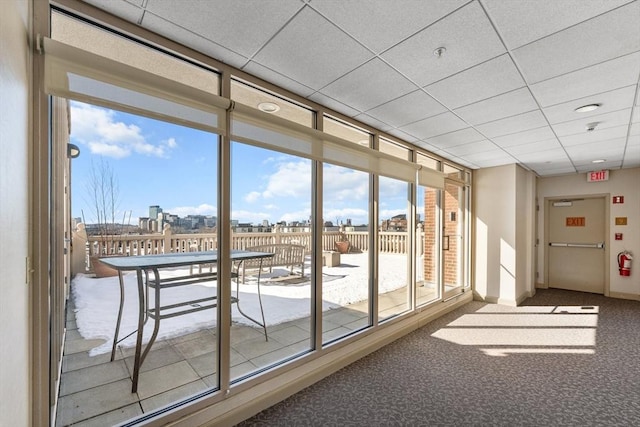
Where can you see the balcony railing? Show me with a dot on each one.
(85, 246)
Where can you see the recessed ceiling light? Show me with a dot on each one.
(598, 161)
(587, 108)
(268, 107)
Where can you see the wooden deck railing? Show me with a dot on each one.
(84, 247)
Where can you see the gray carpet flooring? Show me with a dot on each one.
(560, 359)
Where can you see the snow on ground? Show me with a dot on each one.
(97, 300)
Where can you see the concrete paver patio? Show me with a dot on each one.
(96, 392)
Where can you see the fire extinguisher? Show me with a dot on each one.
(624, 263)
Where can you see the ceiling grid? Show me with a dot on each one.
(504, 90)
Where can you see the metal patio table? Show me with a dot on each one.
(147, 268)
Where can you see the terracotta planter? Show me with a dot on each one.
(100, 269)
(343, 246)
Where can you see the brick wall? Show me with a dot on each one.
(451, 196)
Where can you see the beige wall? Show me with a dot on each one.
(503, 245)
(15, 334)
(624, 182)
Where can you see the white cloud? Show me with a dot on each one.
(203, 209)
(301, 215)
(249, 216)
(345, 184)
(98, 128)
(292, 179)
(252, 197)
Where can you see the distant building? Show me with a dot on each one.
(154, 211)
(396, 223)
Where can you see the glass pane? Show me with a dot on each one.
(394, 149)
(264, 101)
(139, 187)
(427, 161)
(270, 213)
(453, 239)
(345, 273)
(93, 39)
(427, 248)
(394, 249)
(345, 131)
(453, 172)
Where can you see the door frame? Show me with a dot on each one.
(607, 224)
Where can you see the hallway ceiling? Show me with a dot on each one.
(503, 91)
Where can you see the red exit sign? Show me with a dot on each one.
(597, 176)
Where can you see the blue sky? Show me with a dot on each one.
(159, 163)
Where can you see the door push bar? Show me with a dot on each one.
(578, 245)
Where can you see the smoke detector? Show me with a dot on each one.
(591, 126)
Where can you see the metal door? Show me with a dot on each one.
(576, 252)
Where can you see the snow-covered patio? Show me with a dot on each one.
(285, 298)
(183, 361)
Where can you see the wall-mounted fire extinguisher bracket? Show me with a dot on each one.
(624, 263)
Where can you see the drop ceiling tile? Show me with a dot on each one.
(159, 25)
(499, 107)
(555, 172)
(533, 147)
(372, 121)
(459, 137)
(471, 148)
(128, 10)
(635, 129)
(602, 38)
(369, 85)
(436, 125)
(635, 115)
(297, 53)
(380, 24)
(486, 80)
(610, 101)
(592, 167)
(632, 155)
(407, 109)
(521, 122)
(277, 79)
(238, 26)
(526, 137)
(585, 138)
(495, 161)
(333, 104)
(599, 78)
(495, 155)
(553, 156)
(588, 165)
(521, 22)
(422, 144)
(467, 35)
(604, 121)
(611, 149)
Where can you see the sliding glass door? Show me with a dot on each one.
(454, 238)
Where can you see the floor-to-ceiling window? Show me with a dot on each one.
(455, 207)
(427, 251)
(395, 227)
(159, 127)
